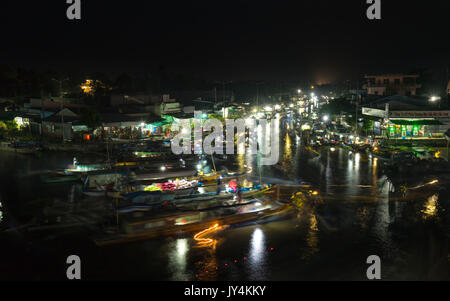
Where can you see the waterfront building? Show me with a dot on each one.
(402, 117)
(392, 84)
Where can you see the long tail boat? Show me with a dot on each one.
(147, 201)
(186, 222)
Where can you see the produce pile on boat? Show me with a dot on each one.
(153, 188)
(172, 185)
(178, 184)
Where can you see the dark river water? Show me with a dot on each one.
(358, 217)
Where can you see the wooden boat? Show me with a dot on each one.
(184, 223)
(382, 153)
(93, 180)
(231, 175)
(148, 154)
(95, 193)
(157, 197)
(20, 148)
(146, 176)
(60, 177)
(134, 208)
(217, 203)
(149, 197)
(89, 168)
(222, 195)
(203, 206)
(210, 176)
(197, 202)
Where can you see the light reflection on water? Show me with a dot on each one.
(178, 258)
(257, 259)
(430, 208)
(362, 226)
(312, 238)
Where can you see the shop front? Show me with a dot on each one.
(418, 128)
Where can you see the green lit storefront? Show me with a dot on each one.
(414, 128)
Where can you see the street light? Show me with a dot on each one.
(325, 118)
(434, 98)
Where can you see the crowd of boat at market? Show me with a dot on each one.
(140, 180)
(393, 160)
(155, 196)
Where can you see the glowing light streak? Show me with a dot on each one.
(207, 242)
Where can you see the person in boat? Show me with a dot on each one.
(219, 184)
(232, 185)
(239, 193)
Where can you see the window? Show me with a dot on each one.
(386, 81)
(409, 80)
(397, 81)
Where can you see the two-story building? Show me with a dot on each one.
(392, 84)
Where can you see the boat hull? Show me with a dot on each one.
(168, 226)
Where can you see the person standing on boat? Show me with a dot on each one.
(219, 184)
(239, 193)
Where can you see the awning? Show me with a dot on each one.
(373, 118)
(160, 123)
(415, 122)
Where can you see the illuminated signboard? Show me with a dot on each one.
(419, 113)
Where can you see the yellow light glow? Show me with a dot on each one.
(207, 242)
(430, 208)
(87, 87)
(313, 223)
(375, 161)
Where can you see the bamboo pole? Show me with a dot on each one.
(214, 163)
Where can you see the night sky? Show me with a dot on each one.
(235, 40)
